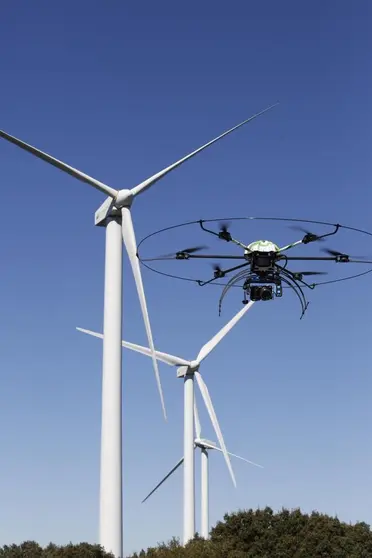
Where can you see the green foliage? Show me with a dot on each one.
(265, 534)
(30, 549)
(245, 534)
(290, 534)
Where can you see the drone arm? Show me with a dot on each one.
(307, 240)
(212, 257)
(186, 256)
(231, 239)
(238, 243)
(289, 246)
(310, 258)
(337, 226)
(223, 273)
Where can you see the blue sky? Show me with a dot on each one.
(120, 91)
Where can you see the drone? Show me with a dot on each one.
(264, 270)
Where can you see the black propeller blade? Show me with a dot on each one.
(224, 233)
(298, 275)
(192, 250)
(218, 271)
(340, 256)
(333, 252)
(307, 273)
(224, 225)
(309, 236)
(184, 254)
(180, 254)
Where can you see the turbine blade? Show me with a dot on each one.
(90, 332)
(197, 421)
(208, 347)
(60, 165)
(163, 480)
(171, 360)
(215, 447)
(212, 414)
(131, 247)
(150, 181)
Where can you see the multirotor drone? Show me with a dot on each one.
(264, 269)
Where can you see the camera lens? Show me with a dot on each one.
(261, 293)
(266, 293)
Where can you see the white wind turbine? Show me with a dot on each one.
(115, 215)
(204, 446)
(190, 370)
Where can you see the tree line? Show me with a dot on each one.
(244, 534)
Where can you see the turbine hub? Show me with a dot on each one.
(189, 369)
(194, 366)
(124, 198)
(111, 207)
(204, 444)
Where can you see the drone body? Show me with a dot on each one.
(264, 270)
(263, 282)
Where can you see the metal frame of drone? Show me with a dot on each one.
(276, 275)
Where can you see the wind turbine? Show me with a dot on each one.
(204, 446)
(190, 370)
(115, 215)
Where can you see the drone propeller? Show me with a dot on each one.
(309, 236)
(224, 226)
(333, 252)
(224, 233)
(218, 273)
(298, 275)
(342, 255)
(178, 254)
(307, 273)
(185, 251)
(192, 250)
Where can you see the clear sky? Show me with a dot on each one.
(120, 91)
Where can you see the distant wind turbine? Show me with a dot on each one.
(204, 446)
(190, 370)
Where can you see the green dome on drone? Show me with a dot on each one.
(263, 246)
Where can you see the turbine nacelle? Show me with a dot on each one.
(191, 368)
(194, 366)
(111, 206)
(204, 444)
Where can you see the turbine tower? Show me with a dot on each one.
(188, 370)
(115, 215)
